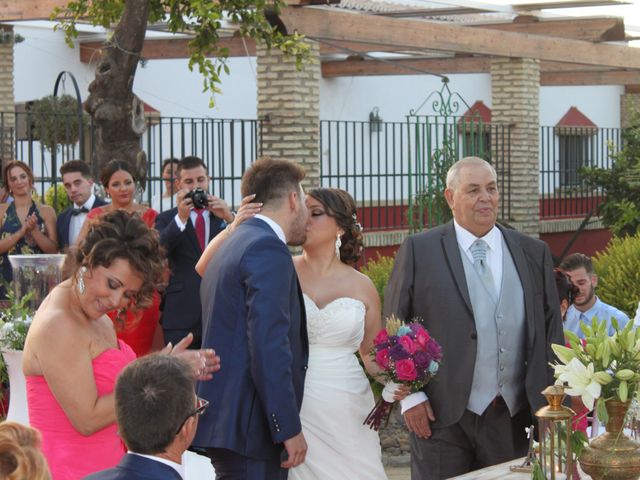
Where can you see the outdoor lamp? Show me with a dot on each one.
(554, 429)
(375, 122)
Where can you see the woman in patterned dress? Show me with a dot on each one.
(27, 226)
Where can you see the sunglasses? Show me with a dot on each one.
(201, 406)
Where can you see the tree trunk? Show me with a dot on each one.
(117, 113)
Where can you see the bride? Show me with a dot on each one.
(343, 316)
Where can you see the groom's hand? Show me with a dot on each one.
(296, 448)
(419, 418)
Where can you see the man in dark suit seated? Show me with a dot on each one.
(77, 181)
(488, 295)
(184, 233)
(157, 412)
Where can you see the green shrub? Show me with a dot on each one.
(63, 200)
(379, 271)
(56, 121)
(618, 269)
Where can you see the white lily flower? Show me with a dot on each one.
(581, 381)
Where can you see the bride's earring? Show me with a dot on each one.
(80, 283)
(338, 245)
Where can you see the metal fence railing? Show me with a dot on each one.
(564, 151)
(394, 170)
(226, 146)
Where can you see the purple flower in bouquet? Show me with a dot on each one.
(422, 359)
(434, 350)
(397, 352)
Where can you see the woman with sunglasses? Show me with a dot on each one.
(72, 355)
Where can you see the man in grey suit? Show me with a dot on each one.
(488, 295)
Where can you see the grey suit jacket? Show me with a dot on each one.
(428, 281)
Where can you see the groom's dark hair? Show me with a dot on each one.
(271, 180)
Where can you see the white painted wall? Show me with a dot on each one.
(601, 104)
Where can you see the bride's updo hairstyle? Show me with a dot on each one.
(123, 235)
(339, 205)
(20, 455)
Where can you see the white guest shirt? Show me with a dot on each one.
(77, 221)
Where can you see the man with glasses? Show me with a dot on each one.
(157, 412)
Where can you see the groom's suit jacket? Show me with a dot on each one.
(428, 281)
(254, 318)
(64, 219)
(181, 311)
(135, 467)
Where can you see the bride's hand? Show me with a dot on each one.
(246, 211)
(395, 391)
(203, 362)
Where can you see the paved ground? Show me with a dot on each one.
(398, 473)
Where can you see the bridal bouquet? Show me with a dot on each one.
(407, 355)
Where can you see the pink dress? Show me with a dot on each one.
(70, 455)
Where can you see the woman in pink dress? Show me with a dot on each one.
(72, 356)
(138, 327)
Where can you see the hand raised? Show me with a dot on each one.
(204, 362)
(247, 210)
(296, 448)
(419, 418)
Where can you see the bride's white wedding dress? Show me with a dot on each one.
(337, 398)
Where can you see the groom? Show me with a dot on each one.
(253, 316)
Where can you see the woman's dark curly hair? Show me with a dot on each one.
(123, 235)
(339, 205)
(113, 166)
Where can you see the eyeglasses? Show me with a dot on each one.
(201, 406)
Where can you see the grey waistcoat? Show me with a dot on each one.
(500, 355)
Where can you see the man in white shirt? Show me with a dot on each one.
(586, 304)
(157, 413)
(184, 233)
(77, 181)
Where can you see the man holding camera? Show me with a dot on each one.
(185, 231)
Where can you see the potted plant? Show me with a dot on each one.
(15, 320)
(55, 121)
(604, 371)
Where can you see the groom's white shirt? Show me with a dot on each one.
(274, 226)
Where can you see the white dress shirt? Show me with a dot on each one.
(77, 221)
(274, 226)
(494, 261)
(193, 216)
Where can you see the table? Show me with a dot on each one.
(503, 472)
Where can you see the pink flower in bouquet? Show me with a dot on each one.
(382, 337)
(382, 358)
(408, 344)
(422, 337)
(406, 370)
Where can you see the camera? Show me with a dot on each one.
(199, 198)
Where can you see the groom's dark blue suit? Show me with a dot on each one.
(135, 467)
(253, 316)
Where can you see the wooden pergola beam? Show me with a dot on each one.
(170, 48)
(330, 24)
(453, 65)
(615, 77)
(586, 29)
(551, 73)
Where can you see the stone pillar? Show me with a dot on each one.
(7, 102)
(289, 101)
(515, 85)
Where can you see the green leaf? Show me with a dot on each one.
(601, 411)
